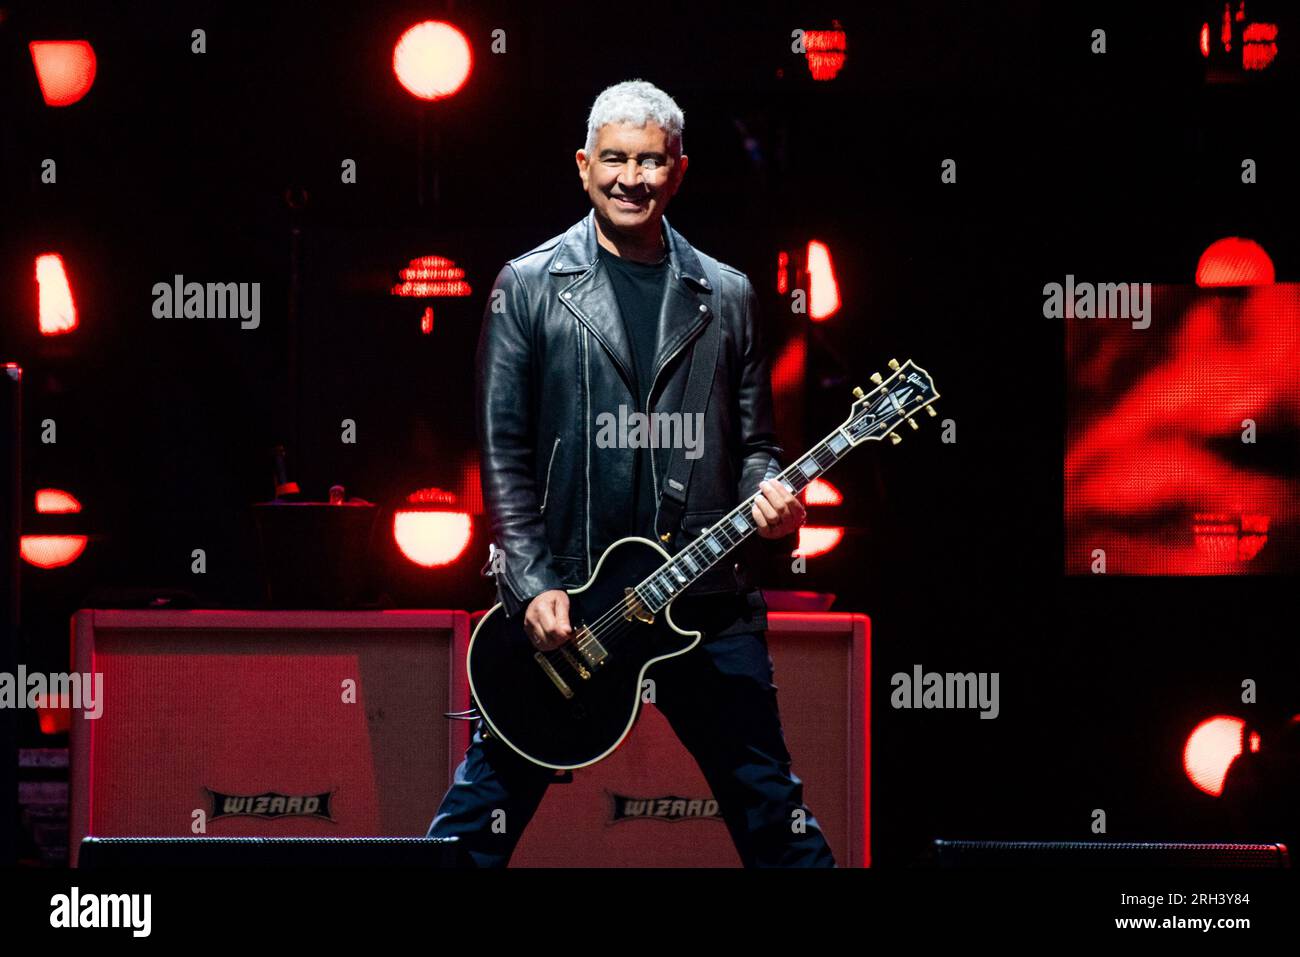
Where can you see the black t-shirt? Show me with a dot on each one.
(639, 289)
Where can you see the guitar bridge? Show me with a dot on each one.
(574, 663)
(553, 674)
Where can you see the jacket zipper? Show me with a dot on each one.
(653, 382)
(586, 447)
(546, 492)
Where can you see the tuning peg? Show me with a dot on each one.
(857, 392)
(895, 438)
(893, 364)
(930, 411)
(877, 378)
(912, 423)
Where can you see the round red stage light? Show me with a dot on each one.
(65, 69)
(1212, 747)
(1234, 261)
(432, 60)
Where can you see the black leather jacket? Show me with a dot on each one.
(553, 355)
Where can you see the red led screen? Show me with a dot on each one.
(1182, 452)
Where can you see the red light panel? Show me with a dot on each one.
(432, 60)
(432, 276)
(825, 51)
(51, 551)
(790, 370)
(1234, 261)
(1210, 750)
(823, 287)
(1259, 46)
(817, 540)
(65, 69)
(56, 309)
(54, 501)
(432, 531)
(821, 492)
(1180, 437)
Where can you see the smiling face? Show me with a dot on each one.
(630, 176)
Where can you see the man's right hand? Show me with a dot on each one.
(546, 622)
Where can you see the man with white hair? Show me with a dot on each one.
(603, 316)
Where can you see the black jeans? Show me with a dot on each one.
(720, 700)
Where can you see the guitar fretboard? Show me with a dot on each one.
(683, 569)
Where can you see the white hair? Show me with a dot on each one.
(638, 102)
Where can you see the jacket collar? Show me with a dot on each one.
(688, 299)
(578, 251)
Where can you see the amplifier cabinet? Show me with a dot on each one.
(648, 805)
(264, 723)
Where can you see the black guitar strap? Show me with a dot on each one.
(699, 385)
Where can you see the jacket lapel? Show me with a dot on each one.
(687, 303)
(688, 300)
(590, 296)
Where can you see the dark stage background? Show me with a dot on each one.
(1117, 167)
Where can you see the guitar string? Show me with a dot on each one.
(614, 623)
(603, 623)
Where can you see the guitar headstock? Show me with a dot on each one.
(893, 401)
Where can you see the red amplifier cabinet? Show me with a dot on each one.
(822, 667)
(265, 723)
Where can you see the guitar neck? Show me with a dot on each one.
(681, 571)
(875, 416)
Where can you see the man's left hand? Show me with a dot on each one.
(776, 511)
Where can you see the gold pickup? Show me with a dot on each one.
(590, 648)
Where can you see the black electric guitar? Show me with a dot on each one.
(571, 706)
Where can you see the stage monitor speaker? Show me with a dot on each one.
(648, 805)
(1104, 854)
(440, 852)
(263, 723)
